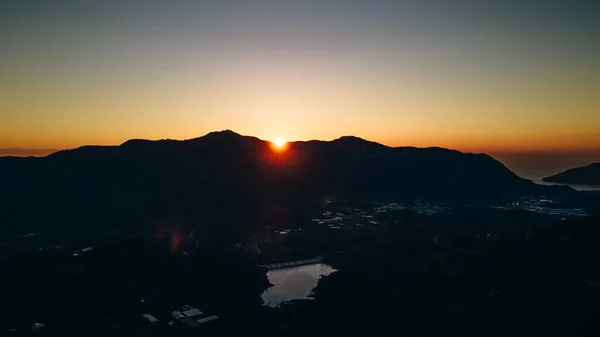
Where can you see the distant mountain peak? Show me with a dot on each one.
(135, 141)
(224, 133)
(355, 142)
(350, 138)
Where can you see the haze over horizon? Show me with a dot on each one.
(529, 165)
(511, 76)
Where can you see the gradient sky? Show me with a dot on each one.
(474, 75)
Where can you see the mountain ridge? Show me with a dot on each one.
(230, 134)
(227, 173)
(583, 175)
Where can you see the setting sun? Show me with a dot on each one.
(279, 143)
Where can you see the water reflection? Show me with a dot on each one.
(294, 283)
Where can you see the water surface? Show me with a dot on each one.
(294, 283)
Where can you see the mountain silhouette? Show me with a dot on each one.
(226, 173)
(585, 175)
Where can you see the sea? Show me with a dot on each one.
(536, 166)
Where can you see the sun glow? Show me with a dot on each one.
(279, 143)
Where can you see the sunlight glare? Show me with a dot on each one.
(279, 143)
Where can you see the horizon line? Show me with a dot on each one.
(44, 151)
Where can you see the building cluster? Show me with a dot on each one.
(542, 206)
(188, 315)
(150, 318)
(426, 208)
(83, 251)
(332, 220)
(416, 206)
(192, 316)
(364, 217)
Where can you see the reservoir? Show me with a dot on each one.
(294, 283)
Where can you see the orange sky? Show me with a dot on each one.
(402, 73)
(299, 108)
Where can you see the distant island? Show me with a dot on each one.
(585, 175)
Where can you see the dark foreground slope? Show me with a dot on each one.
(141, 181)
(585, 175)
(486, 272)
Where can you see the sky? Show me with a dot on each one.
(473, 75)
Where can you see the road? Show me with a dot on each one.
(194, 238)
(462, 250)
(293, 263)
(436, 240)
